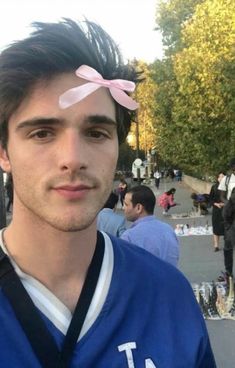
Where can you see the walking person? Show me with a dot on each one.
(217, 208)
(157, 177)
(71, 296)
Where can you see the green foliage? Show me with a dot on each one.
(145, 96)
(195, 84)
(170, 17)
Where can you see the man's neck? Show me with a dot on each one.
(143, 214)
(59, 260)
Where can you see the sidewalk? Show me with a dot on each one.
(199, 262)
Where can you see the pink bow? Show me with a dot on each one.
(116, 87)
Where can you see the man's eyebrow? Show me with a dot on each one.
(99, 119)
(38, 121)
(42, 121)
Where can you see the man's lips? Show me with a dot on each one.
(72, 191)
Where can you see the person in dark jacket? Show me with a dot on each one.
(229, 219)
(217, 208)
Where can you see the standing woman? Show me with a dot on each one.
(217, 208)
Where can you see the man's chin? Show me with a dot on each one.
(71, 224)
(69, 228)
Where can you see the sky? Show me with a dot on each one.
(131, 23)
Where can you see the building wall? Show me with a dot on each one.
(197, 185)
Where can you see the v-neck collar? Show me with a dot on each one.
(52, 307)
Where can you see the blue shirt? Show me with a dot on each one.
(150, 318)
(156, 237)
(111, 222)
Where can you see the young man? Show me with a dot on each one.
(147, 232)
(76, 297)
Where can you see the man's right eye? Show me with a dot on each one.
(41, 134)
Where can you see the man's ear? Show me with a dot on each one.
(4, 160)
(139, 208)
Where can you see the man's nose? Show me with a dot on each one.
(73, 151)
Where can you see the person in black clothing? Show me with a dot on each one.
(229, 222)
(226, 186)
(217, 208)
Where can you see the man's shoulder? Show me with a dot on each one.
(149, 222)
(161, 225)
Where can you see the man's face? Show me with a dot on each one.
(62, 161)
(130, 212)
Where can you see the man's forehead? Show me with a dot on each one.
(44, 101)
(128, 197)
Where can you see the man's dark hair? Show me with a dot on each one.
(143, 195)
(111, 201)
(53, 49)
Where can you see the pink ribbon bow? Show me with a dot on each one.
(116, 87)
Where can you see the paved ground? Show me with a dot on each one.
(199, 263)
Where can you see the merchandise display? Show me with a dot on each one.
(216, 299)
(186, 230)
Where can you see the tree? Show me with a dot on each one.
(202, 108)
(145, 96)
(195, 84)
(166, 89)
(170, 17)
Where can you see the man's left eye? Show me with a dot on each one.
(97, 134)
(42, 134)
